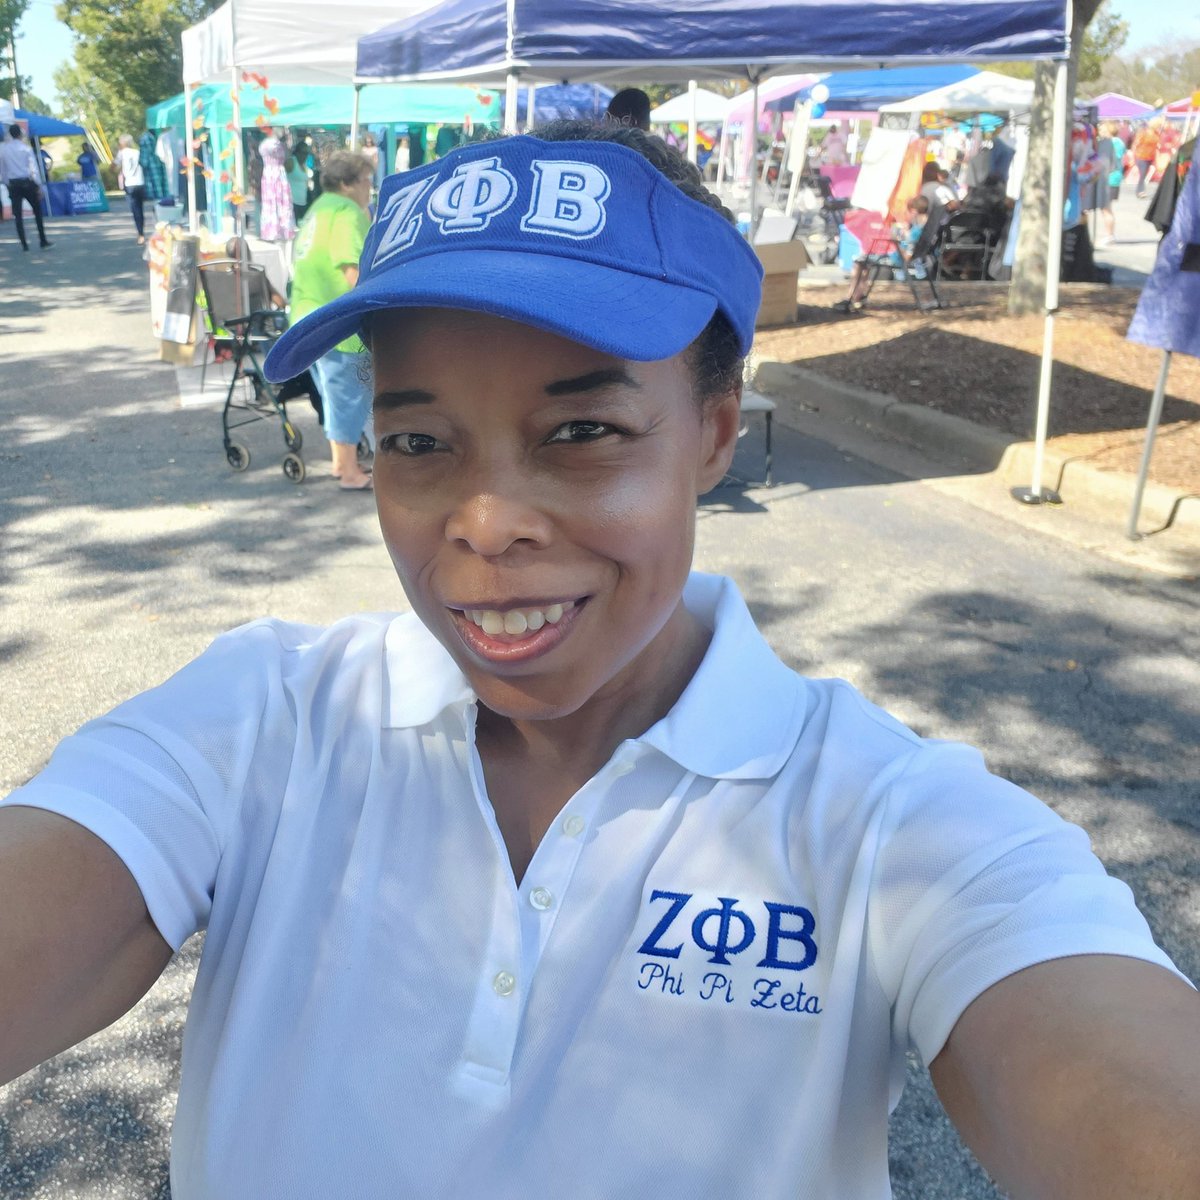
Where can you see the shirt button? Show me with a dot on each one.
(572, 826)
(504, 984)
(541, 898)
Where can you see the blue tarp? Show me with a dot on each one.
(866, 91)
(41, 127)
(661, 40)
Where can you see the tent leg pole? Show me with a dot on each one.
(1156, 407)
(190, 153)
(354, 117)
(691, 147)
(510, 103)
(754, 162)
(721, 146)
(239, 157)
(1035, 493)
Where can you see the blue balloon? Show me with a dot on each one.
(818, 110)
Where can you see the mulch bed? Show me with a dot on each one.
(975, 361)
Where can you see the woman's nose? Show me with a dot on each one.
(491, 522)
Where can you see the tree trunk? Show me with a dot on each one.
(1027, 292)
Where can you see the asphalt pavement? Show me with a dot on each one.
(128, 543)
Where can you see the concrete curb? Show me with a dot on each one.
(956, 442)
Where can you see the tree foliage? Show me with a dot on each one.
(127, 56)
(1154, 74)
(1104, 35)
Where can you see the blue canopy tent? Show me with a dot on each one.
(865, 91)
(671, 40)
(619, 40)
(563, 101)
(41, 126)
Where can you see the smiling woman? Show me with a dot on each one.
(565, 884)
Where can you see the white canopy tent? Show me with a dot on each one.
(981, 93)
(709, 106)
(306, 42)
(693, 106)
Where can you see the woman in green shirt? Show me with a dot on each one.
(327, 249)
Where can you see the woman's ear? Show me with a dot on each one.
(722, 418)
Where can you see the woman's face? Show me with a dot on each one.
(537, 498)
(359, 191)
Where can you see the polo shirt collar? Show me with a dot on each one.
(421, 679)
(742, 712)
(738, 718)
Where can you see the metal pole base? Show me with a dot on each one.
(1029, 496)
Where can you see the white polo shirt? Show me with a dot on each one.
(704, 986)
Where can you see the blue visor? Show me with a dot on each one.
(584, 239)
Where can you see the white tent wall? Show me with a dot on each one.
(305, 42)
(300, 41)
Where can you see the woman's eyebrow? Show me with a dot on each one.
(400, 399)
(592, 381)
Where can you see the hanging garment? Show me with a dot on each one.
(152, 168)
(1161, 212)
(1168, 311)
(277, 220)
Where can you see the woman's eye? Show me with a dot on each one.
(582, 431)
(411, 444)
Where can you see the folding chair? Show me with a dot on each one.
(238, 297)
(966, 246)
(920, 269)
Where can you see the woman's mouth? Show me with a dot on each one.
(510, 634)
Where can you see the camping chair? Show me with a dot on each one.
(920, 270)
(966, 246)
(238, 297)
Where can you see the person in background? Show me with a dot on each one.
(19, 173)
(833, 146)
(325, 266)
(1145, 147)
(370, 150)
(630, 106)
(403, 153)
(298, 181)
(88, 163)
(1110, 150)
(132, 180)
(905, 236)
(935, 187)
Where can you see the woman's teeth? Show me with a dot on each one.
(517, 620)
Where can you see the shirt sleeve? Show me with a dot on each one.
(162, 778)
(346, 238)
(975, 880)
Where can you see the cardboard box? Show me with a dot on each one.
(782, 263)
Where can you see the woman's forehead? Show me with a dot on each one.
(411, 345)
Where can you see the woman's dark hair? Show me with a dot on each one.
(930, 172)
(716, 357)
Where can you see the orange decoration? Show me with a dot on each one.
(260, 121)
(224, 176)
(231, 126)
(206, 173)
(198, 123)
(237, 199)
(272, 105)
